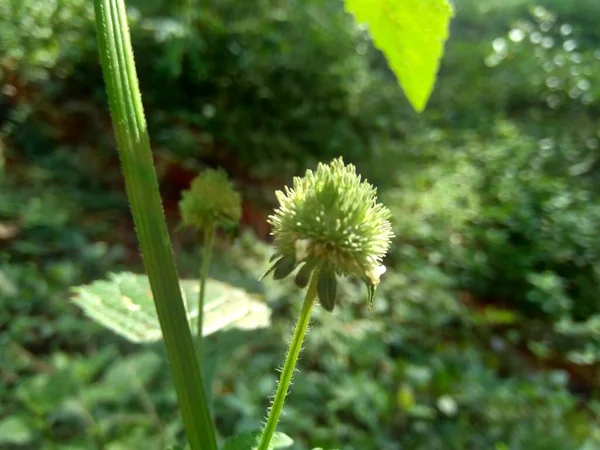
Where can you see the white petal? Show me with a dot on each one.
(302, 249)
(375, 273)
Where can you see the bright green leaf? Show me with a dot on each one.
(124, 304)
(280, 440)
(406, 397)
(249, 441)
(411, 35)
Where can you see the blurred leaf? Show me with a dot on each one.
(495, 316)
(406, 397)
(46, 392)
(424, 412)
(249, 441)
(411, 35)
(15, 430)
(126, 375)
(124, 304)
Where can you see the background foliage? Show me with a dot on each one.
(485, 333)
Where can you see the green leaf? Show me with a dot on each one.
(411, 35)
(45, 392)
(423, 412)
(14, 430)
(495, 316)
(303, 275)
(126, 375)
(326, 289)
(124, 304)
(273, 261)
(284, 267)
(370, 292)
(249, 441)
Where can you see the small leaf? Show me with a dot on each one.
(249, 441)
(284, 267)
(272, 266)
(280, 440)
(406, 397)
(370, 292)
(422, 412)
(303, 276)
(326, 288)
(44, 391)
(126, 375)
(411, 35)
(124, 304)
(14, 430)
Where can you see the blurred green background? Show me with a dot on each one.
(485, 333)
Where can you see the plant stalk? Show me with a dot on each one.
(209, 237)
(290, 363)
(141, 183)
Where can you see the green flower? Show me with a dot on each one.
(331, 220)
(211, 201)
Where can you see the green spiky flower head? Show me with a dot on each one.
(211, 201)
(331, 219)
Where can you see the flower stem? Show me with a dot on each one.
(141, 183)
(290, 363)
(209, 237)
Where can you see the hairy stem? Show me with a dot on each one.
(209, 237)
(141, 183)
(290, 363)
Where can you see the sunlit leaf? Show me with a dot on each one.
(124, 304)
(249, 441)
(15, 430)
(411, 34)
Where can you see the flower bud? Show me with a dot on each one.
(211, 201)
(331, 220)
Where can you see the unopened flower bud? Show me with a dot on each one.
(331, 220)
(211, 201)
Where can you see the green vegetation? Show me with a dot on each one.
(484, 333)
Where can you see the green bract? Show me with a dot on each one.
(331, 219)
(211, 201)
